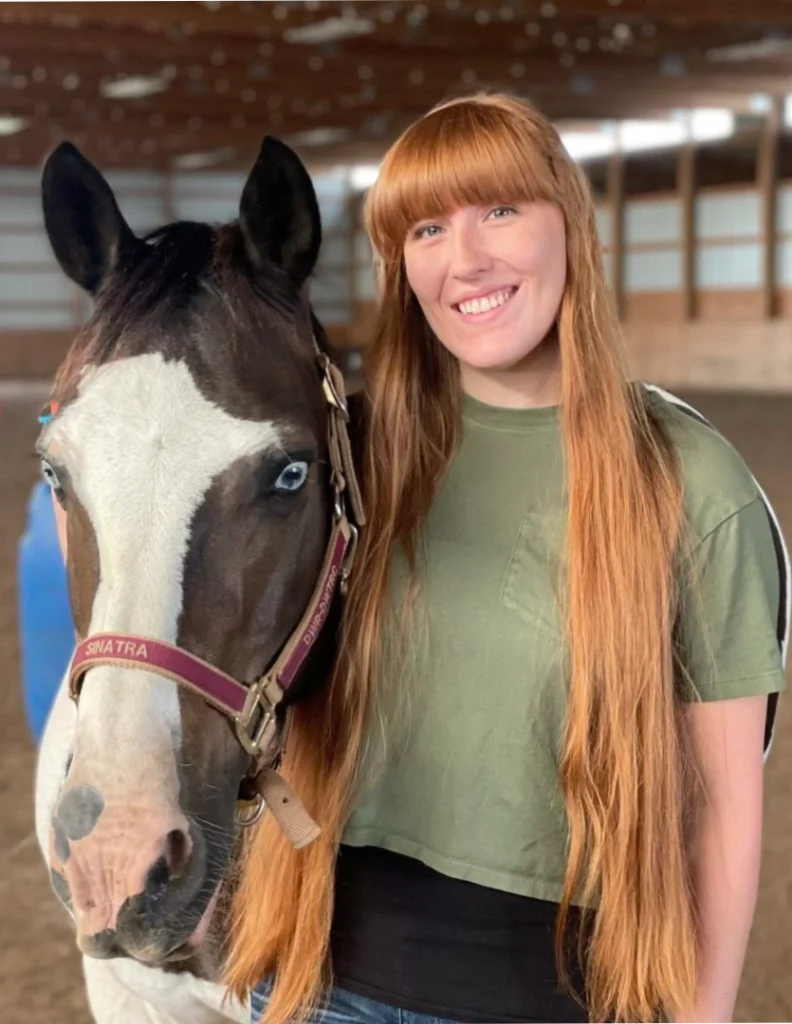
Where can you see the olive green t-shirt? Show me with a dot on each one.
(468, 781)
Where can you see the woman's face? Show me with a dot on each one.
(489, 280)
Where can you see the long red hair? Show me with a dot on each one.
(626, 765)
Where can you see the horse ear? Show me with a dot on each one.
(86, 229)
(279, 212)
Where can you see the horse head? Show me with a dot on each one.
(189, 445)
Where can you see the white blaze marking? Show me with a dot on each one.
(143, 446)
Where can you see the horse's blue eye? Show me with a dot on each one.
(51, 477)
(292, 478)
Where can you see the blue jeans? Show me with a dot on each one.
(347, 1008)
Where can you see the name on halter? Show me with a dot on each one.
(116, 648)
(312, 630)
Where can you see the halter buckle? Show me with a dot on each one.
(334, 397)
(250, 729)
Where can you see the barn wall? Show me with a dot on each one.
(40, 309)
(728, 344)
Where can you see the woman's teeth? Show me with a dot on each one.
(485, 304)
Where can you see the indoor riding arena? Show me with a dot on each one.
(677, 111)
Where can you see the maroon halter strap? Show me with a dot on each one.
(251, 707)
(126, 650)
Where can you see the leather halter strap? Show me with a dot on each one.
(252, 707)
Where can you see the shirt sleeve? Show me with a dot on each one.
(728, 628)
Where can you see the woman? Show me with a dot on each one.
(551, 696)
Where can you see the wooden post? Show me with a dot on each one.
(767, 183)
(686, 187)
(616, 204)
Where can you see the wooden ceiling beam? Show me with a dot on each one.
(96, 40)
(762, 12)
(345, 72)
(229, 19)
(211, 134)
(234, 19)
(608, 102)
(336, 76)
(328, 93)
(234, 76)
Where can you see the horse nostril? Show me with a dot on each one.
(171, 863)
(177, 851)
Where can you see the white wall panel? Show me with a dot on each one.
(25, 248)
(38, 286)
(214, 197)
(729, 266)
(659, 271)
(19, 177)
(143, 213)
(607, 265)
(648, 221)
(330, 296)
(22, 210)
(209, 208)
(365, 284)
(728, 215)
(365, 281)
(784, 264)
(35, 319)
(784, 209)
(604, 224)
(190, 184)
(126, 182)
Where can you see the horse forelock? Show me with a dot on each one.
(182, 286)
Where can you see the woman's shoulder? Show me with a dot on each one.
(718, 481)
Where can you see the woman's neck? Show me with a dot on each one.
(535, 382)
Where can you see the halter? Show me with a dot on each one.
(252, 707)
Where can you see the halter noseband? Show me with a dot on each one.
(252, 707)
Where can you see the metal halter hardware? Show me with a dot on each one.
(252, 707)
(251, 741)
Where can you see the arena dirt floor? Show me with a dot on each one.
(40, 978)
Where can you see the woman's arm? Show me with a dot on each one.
(728, 737)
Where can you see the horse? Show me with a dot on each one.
(198, 440)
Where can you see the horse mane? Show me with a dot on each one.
(163, 284)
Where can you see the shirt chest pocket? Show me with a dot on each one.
(532, 583)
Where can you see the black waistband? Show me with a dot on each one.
(406, 935)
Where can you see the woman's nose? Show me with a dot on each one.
(469, 257)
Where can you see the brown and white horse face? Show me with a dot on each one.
(195, 489)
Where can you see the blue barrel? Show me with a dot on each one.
(45, 619)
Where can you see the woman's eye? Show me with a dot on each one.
(292, 478)
(51, 477)
(500, 211)
(426, 231)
